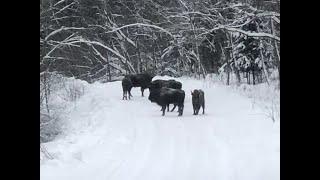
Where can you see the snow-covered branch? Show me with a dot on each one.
(274, 14)
(70, 40)
(65, 17)
(276, 19)
(81, 40)
(199, 13)
(62, 29)
(178, 16)
(59, 2)
(139, 25)
(251, 34)
(183, 4)
(123, 59)
(105, 60)
(120, 34)
(64, 8)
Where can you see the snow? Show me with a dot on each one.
(108, 138)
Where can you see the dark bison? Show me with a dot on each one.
(157, 84)
(140, 80)
(126, 87)
(197, 101)
(165, 96)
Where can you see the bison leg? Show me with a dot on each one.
(197, 111)
(202, 108)
(142, 90)
(174, 107)
(180, 109)
(163, 110)
(168, 108)
(194, 110)
(124, 95)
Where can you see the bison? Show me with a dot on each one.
(140, 80)
(197, 101)
(165, 96)
(157, 84)
(126, 88)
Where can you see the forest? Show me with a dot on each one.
(100, 40)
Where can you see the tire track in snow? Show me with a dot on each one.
(200, 143)
(143, 138)
(162, 149)
(182, 160)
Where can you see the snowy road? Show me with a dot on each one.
(112, 139)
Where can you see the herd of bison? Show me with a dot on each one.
(163, 92)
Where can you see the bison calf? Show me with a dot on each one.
(166, 96)
(197, 101)
(126, 87)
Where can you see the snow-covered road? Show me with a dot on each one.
(113, 139)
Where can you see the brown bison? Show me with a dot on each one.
(126, 88)
(197, 101)
(166, 96)
(140, 80)
(158, 84)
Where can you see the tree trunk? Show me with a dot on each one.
(178, 65)
(228, 74)
(253, 77)
(227, 67)
(108, 68)
(139, 57)
(276, 49)
(127, 66)
(154, 54)
(46, 91)
(204, 73)
(236, 70)
(196, 49)
(264, 67)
